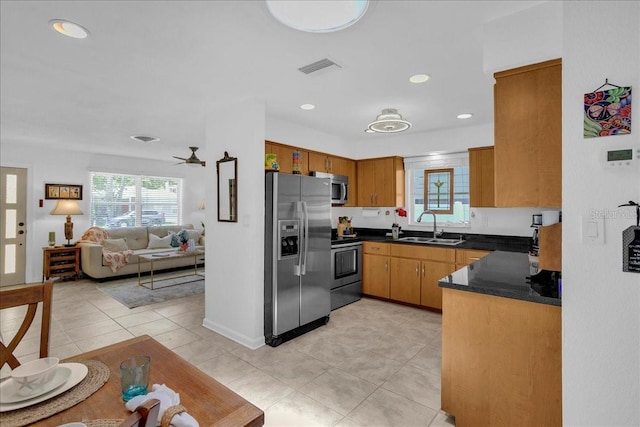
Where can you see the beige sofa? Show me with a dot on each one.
(137, 240)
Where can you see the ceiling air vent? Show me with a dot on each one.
(318, 65)
(144, 138)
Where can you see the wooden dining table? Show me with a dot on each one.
(208, 401)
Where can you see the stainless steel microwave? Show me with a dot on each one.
(339, 187)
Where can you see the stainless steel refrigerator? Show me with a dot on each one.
(297, 267)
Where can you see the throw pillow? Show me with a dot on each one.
(156, 242)
(115, 245)
(175, 239)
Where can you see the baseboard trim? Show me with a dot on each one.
(251, 343)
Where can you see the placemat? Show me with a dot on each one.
(96, 377)
(103, 423)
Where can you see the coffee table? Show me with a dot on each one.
(160, 258)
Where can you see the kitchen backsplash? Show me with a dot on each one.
(497, 221)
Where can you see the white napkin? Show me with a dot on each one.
(167, 398)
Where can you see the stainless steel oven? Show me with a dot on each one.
(346, 273)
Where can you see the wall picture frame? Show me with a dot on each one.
(62, 192)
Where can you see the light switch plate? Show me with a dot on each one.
(592, 230)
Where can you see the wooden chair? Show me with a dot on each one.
(29, 296)
(145, 415)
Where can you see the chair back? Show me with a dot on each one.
(29, 296)
(145, 415)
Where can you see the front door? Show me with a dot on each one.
(13, 216)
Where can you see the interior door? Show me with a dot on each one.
(13, 215)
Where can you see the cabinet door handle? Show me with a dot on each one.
(423, 271)
(386, 266)
(330, 165)
(417, 270)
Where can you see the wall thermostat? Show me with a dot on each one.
(625, 157)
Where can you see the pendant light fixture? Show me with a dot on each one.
(389, 121)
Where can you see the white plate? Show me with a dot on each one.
(9, 389)
(78, 373)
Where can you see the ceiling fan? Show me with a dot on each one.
(193, 160)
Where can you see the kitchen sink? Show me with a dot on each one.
(431, 240)
(415, 239)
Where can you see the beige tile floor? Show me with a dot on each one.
(373, 364)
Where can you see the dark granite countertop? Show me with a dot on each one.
(503, 274)
(471, 241)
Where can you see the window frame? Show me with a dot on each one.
(169, 211)
(434, 162)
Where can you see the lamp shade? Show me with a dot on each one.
(66, 207)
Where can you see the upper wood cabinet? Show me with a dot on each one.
(285, 157)
(380, 182)
(312, 161)
(528, 136)
(481, 177)
(320, 162)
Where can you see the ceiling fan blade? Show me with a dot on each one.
(179, 158)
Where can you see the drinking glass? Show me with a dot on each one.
(134, 376)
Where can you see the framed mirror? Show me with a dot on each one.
(438, 190)
(227, 168)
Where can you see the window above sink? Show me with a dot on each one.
(416, 168)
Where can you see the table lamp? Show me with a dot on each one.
(68, 208)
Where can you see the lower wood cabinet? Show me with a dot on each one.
(501, 361)
(406, 280)
(410, 273)
(430, 291)
(465, 257)
(415, 271)
(375, 269)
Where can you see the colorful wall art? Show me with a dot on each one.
(607, 112)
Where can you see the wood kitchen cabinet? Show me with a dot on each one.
(465, 257)
(415, 271)
(375, 269)
(501, 361)
(528, 136)
(481, 177)
(316, 162)
(380, 182)
(285, 157)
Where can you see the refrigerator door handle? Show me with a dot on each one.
(305, 244)
(297, 268)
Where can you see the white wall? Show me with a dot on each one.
(600, 303)
(71, 167)
(523, 38)
(234, 283)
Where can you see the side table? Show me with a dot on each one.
(60, 261)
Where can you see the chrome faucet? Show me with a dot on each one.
(435, 232)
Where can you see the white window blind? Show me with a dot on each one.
(414, 171)
(120, 200)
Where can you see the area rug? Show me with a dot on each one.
(132, 295)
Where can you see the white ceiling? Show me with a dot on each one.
(152, 67)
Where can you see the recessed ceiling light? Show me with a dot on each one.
(69, 28)
(315, 16)
(465, 116)
(307, 106)
(419, 78)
